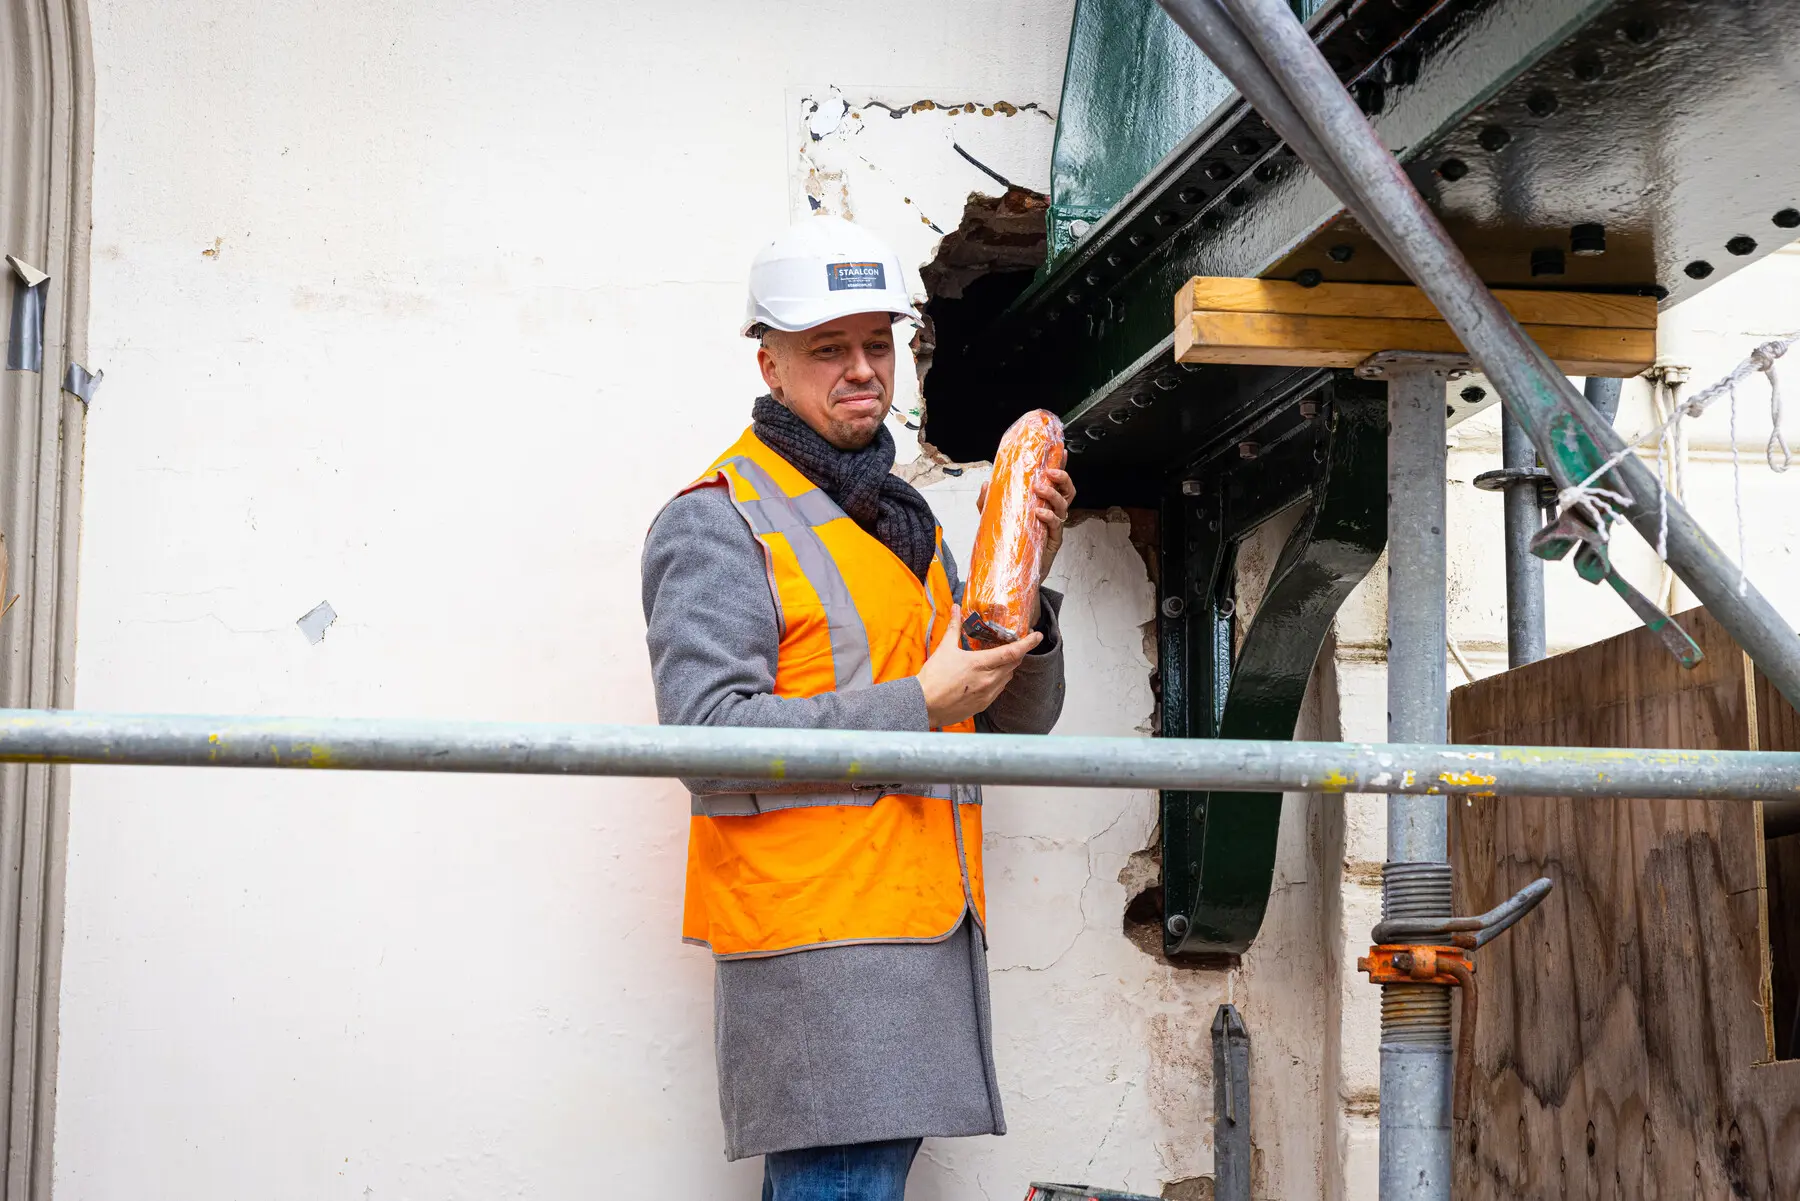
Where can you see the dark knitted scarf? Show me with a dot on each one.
(860, 481)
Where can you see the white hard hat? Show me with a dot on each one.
(823, 268)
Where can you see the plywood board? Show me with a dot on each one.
(1275, 322)
(1624, 1042)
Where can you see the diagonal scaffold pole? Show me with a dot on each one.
(1269, 57)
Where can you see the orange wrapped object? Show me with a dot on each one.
(1003, 570)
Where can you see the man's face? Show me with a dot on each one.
(837, 377)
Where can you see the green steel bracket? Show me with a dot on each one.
(1219, 848)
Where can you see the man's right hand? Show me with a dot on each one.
(960, 683)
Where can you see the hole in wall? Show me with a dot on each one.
(980, 268)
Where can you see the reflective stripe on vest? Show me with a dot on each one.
(794, 517)
(773, 872)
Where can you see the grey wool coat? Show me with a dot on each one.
(842, 1044)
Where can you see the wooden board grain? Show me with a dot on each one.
(1290, 340)
(1229, 294)
(1623, 1049)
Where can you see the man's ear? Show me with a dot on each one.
(770, 365)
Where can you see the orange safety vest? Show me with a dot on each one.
(770, 873)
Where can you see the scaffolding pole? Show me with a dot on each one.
(873, 759)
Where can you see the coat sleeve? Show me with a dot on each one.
(714, 639)
(1033, 698)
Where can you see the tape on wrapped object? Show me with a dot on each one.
(1009, 545)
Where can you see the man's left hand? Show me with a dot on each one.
(1055, 492)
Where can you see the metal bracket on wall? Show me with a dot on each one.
(1219, 848)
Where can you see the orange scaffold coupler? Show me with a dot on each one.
(1003, 570)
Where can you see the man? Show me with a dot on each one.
(798, 583)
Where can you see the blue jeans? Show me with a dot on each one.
(853, 1172)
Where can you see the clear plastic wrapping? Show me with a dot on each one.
(1003, 570)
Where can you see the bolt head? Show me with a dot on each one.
(1248, 450)
(1309, 409)
(1173, 606)
(1547, 260)
(1588, 238)
(1177, 924)
(1341, 253)
(1192, 487)
(1311, 277)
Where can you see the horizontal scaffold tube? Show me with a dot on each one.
(873, 759)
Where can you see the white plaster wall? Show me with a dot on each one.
(424, 311)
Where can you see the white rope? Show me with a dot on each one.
(1601, 505)
(1737, 491)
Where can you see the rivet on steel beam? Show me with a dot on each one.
(1494, 137)
(1211, 221)
(1168, 383)
(1587, 239)
(1076, 448)
(1546, 260)
(1449, 411)
(1473, 395)
(1119, 416)
(1139, 400)
(1115, 259)
(1742, 244)
(1787, 218)
(1267, 171)
(1639, 33)
(1542, 102)
(1655, 292)
(1248, 450)
(1698, 269)
(1219, 171)
(1343, 252)
(1311, 277)
(1453, 169)
(1192, 487)
(1072, 296)
(1052, 314)
(1166, 218)
(1138, 241)
(1590, 68)
(1095, 433)
(1190, 195)
(1173, 606)
(1370, 96)
(1245, 147)
(1237, 197)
